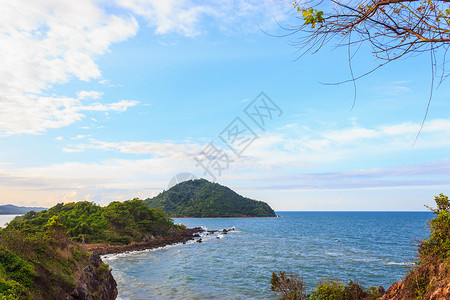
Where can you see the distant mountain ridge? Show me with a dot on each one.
(200, 198)
(10, 209)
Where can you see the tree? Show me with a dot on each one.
(437, 246)
(393, 28)
(288, 286)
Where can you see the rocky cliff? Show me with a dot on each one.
(95, 282)
(426, 282)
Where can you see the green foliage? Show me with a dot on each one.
(17, 269)
(437, 247)
(117, 223)
(34, 266)
(40, 260)
(328, 289)
(10, 289)
(291, 287)
(312, 16)
(434, 253)
(200, 198)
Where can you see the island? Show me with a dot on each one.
(201, 198)
(10, 209)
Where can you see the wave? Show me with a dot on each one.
(400, 263)
(138, 252)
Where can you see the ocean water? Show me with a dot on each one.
(5, 219)
(374, 248)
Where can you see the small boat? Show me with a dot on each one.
(219, 236)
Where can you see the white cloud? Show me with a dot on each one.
(291, 147)
(89, 94)
(79, 137)
(69, 150)
(185, 16)
(32, 114)
(286, 160)
(163, 149)
(120, 106)
(46, 43)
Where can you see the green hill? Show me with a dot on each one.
(46, 264)
(202, 199)
(117, 223)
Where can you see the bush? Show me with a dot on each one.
(437, 247)
(288, 286)
(118, 223)
(12, 290)
(291, 287)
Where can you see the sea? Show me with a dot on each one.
(371, 248)
(5, 219)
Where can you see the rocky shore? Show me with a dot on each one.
(95, 282)
(175, 237)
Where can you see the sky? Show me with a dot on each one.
(109, 100)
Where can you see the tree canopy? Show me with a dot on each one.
(201, 198)
(117, 223)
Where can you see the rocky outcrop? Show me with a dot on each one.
(434, 281)
(396, 291)
(95, 282)
(179, 236)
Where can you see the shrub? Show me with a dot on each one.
(437, 246)
(12, 290)
(288, 286)
(16, 268)
(329, 289)
(291, 287)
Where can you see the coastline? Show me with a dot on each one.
(239, 217)
(181, 236)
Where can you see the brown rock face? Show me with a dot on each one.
(394, 292)
(95, 282)
(439, 293)
(437, 284)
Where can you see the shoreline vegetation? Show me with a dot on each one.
(54, 254)
(428, 280)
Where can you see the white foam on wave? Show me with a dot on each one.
(138, 252)
(391, 263)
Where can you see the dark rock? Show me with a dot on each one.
(182, 235)
(381, 290)
(199, 241)
(95, 282)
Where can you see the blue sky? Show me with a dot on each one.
(108, 100)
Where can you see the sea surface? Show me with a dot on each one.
(374, 248)
(4, 219)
